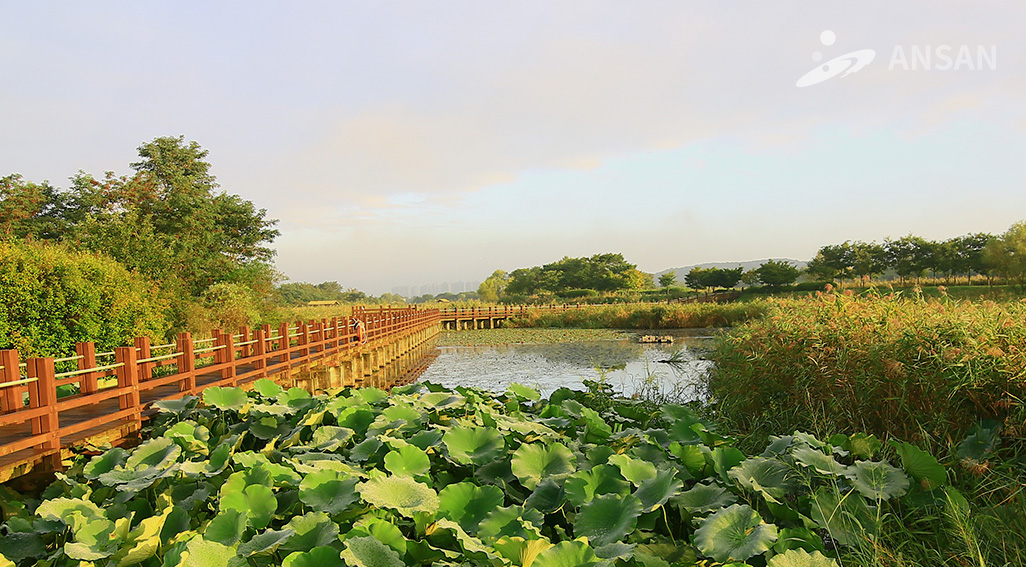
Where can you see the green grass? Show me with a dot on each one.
(647, 316)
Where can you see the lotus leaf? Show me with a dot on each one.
(312, 529)
(798, 538)
(511, 521)
(877, 480)
(402, 494)
(190, 436)
(608, 518)
(256, 500)
(921, 465)
(691, 456)
(574, 553)
(474, 445)
(225, 398)
(704, 498)
(468, 504)
(408, 461)
(329, 438)
(547, 497)
(845, 517)
(864, 446)
(532, 462)
(179, 407)
(734, 533)
(520, 551)
(725, 458)
(523, 392)
(227, 527)
(267, 388)
(201, 553)
(382, 530)
(583, 486)
(770, 477)
(105, 462)
(818, 461)
(369, 552)
(801, 558)
(328, 490)
(469, 544)
(596, 430)
(655, 492)
(265, 543)
(634, 470)
(72, 512)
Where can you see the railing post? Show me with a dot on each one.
(304, 339)
(247, 349)
(10, 397)
(87, 359)
(45, 390)
(259, 349)
(186, 362)
(284, 344)
(334, 333)
(128, 377)
(226, 355)
(142, 344)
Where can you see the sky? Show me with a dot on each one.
(409, 142)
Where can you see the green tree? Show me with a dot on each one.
(494, 286)
(1006, 254)
(667, 279)
(910, 256)
(832, 262)
(20, 202)
(774, 274)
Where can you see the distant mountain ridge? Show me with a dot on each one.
(748, 265)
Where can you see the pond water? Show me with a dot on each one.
(630, 367)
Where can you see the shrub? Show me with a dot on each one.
(911, 368)
(52, 297)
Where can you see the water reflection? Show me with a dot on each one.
(628, 366)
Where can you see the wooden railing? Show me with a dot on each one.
(119, 391)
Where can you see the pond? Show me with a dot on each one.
(630, 367)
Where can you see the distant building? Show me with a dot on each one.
(321, 303)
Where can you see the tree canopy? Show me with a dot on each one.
(600, 272)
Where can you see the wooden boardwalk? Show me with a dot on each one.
(38, 427)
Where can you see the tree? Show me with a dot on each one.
(494, 286)
(667, 279)
(1006, 254)
(773, 273)
(867, 259)
(832, 262)
(20, 201)
(909, 255)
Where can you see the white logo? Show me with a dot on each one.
(848, 63)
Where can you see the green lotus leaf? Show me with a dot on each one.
(616, 550)
(471, 546)
(365, 449)
(532, 462)
(256, 500)
(191, 437)
(468, 503)
(725, 458)
(769, 477)
(382, 530)
(357, 418)
(312, 529)
(547, 497)
(810, 440)
(267, 388)
(608, 518)
(523, 392)
(404, 412)
(328, 490)
(143, 542)
(864, 446)
(369, 552)
(72, 512)
(322, 556)
(818, 461)
(439, 400)
(655, 492)
(201, 553)
(179, 407)
(798, 538)
(567, 554)
(225, 398)
(692, 457)
(520, 551)
(215, 465)
(511, 521)
(735, 533)
(268, 427)
(596, 430)
(370, 396)
(474, 445)
(97, 539)
(921, 465)
(329, 438)
(402, 494)
(105, 462)
(801, 558)
(703, 498)
(270, 410)
(407, 461)
(227, 527)
(981, 442)
(265, 543)
(158, 454)
(846, 517)
(634, 470)
(877, 480)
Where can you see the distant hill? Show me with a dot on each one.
(749, 265)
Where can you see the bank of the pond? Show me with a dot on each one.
(506, 336)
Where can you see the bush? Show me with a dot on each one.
(914, 369)
(52, 297)
(576, 293)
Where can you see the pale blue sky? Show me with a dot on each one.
(403, 143)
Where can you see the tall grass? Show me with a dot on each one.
(647, 316)
(918, 369)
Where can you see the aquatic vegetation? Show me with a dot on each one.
(428, 476)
